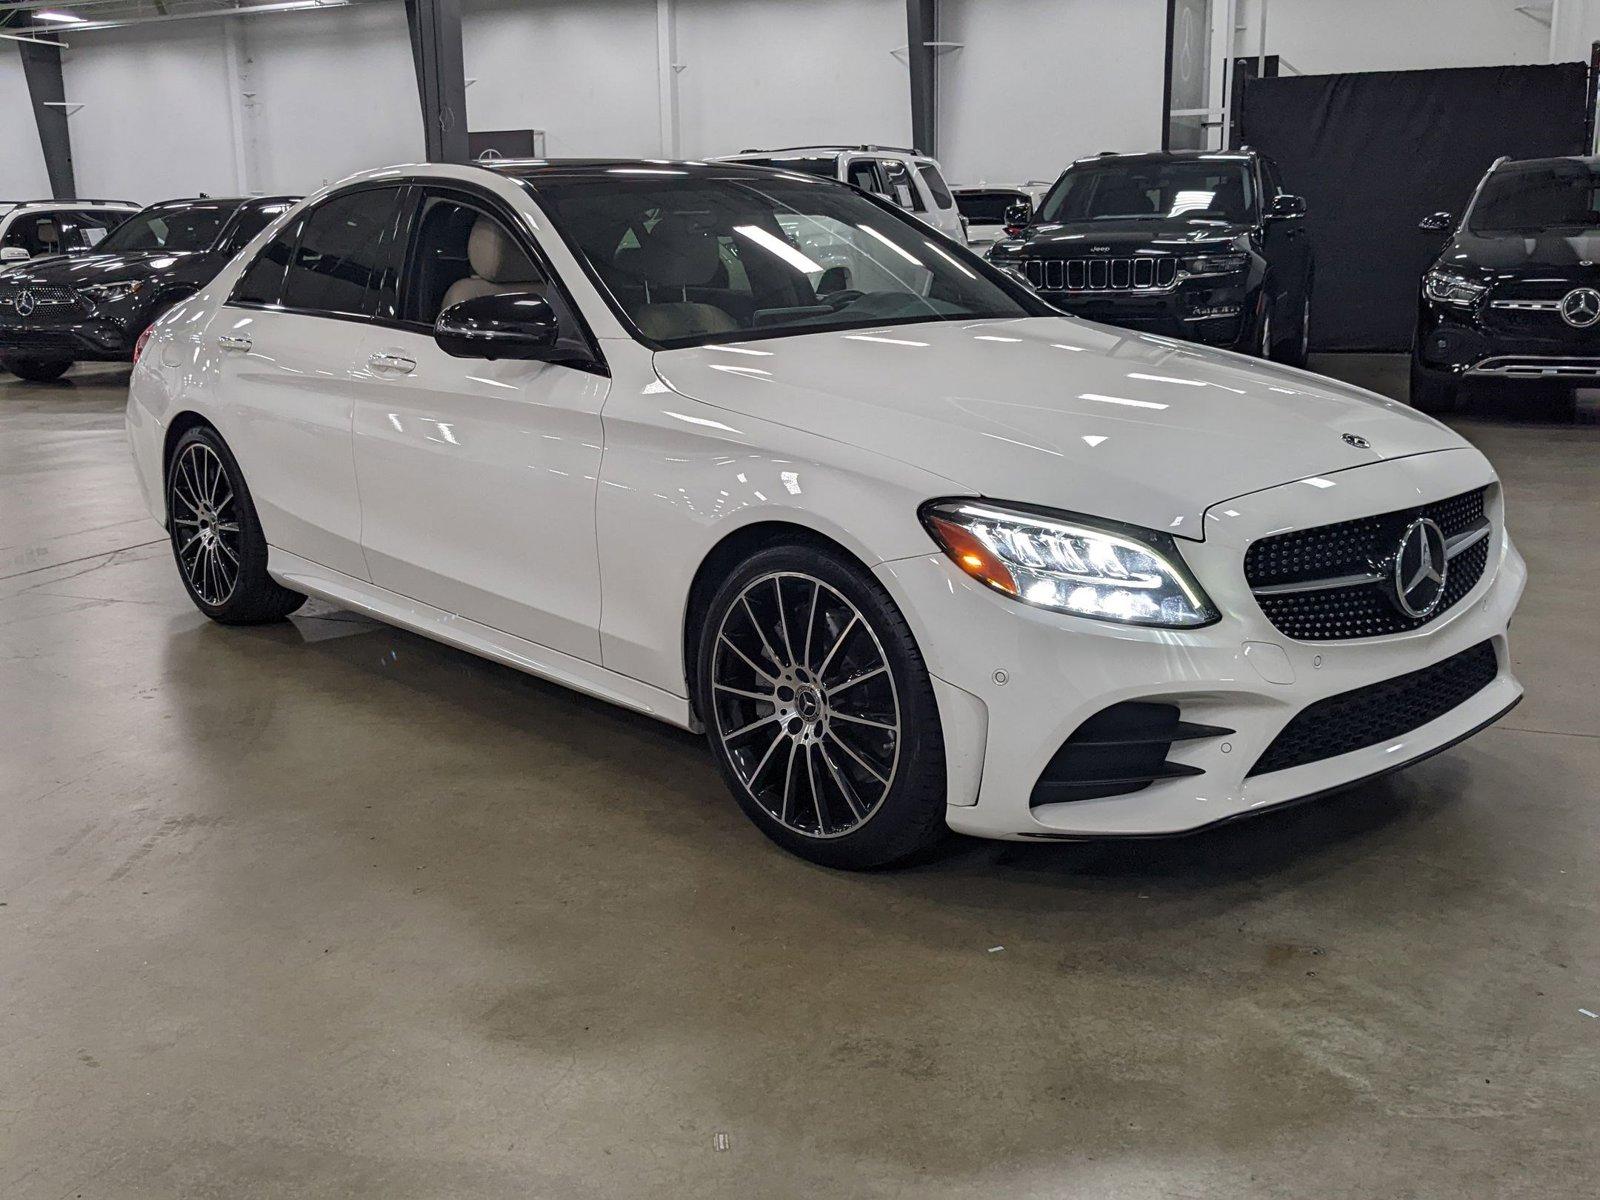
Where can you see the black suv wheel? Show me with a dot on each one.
(36, 370)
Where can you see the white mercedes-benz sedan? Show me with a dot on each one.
(755, 453)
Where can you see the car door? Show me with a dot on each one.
(1285, 249)
(478, 477)
(289, 344)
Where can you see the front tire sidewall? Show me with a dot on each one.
(37, 370)
(910, 818)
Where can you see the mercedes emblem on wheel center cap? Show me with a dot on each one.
(1580, 307)
(24, 304)
(1420, 567)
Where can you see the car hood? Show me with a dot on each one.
(78, 270)
(1089, 237)
(1060, 412)
(1556, 249)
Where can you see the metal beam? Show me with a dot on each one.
(441, 77)
(41, 64)
(922, 31)
(667, 69)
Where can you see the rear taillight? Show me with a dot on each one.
(138, 346)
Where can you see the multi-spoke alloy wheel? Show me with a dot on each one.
(207, 535)
(216, 536)
(820, 710)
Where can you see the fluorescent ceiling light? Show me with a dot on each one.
(777, 247)
(61, 18)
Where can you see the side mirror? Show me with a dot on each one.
(1286, 207)
(1439, 222)
(509, 325)
(1018, 217)
(13, 254)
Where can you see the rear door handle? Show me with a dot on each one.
(393, 364)
(233, 341)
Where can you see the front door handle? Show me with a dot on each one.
(393, 364)
(235, 342)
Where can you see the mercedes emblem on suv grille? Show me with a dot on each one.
(1420, 566)
(1580, 307)
(24, 304)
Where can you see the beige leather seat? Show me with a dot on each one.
(678, 255)
(498, 266)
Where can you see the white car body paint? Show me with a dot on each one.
(554, 520)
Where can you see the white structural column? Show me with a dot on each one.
(241, 105)
(667, 69)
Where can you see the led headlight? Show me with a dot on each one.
(1447, 288)
(1063, 562)
(1215, 264)
(110, 293)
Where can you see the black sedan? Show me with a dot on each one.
(93, 306)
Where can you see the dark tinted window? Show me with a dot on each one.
(170, 227)
(987, 208)
(1564, 194)
(936, 185)
(251, 220)
(1195, 190)
(345, 262)
(262, 282)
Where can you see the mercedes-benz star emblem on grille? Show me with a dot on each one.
(24, 303)
(1356, 440)
(1420, 566)
(1580, 307)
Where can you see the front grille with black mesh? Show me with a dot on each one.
(1119, 750)
(41, 302)
(1364, 546)
(1371, 715)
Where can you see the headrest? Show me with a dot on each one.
(495, 257)
(678, 253)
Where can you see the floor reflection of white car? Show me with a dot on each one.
(753, 452)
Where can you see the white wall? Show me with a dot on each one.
(780, 73)
(1038, 83)
(154, 122)
(22, 173)
(584, 73)
(1319, 37)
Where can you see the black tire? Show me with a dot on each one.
(1432, 392)
(216, 536)
(1295, 349)
(858, 797)
(37, 370)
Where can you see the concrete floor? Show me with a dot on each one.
(325, 909)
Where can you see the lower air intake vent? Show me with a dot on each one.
(1119, 750)
(1380, 711)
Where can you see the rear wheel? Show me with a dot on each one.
(216, 536)
(820, 711)
(37, 370)
(1432, 392)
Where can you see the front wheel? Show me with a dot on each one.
(37, 370)
(216, 537)
(819, 710)
(1431, 392)
(1296, 349)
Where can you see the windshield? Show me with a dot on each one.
(1196, 191)
(186, 227)
(1538, 196)
(693, 260)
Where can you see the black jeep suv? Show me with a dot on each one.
(1196, 245)
(1515, 295)
(65, 308)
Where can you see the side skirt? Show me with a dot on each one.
(392, 608)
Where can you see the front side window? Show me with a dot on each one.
(1196, 191)
(1531, 197)
(38, 235)
(169, 227)
(863, 173)
(730, 259)
(347, 261)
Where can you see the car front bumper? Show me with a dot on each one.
(1507, 346)
(98, 339)
(1014, 682)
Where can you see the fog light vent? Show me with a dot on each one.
(1119, 750)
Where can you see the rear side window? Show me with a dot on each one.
(901, 190)
(936, 185)
(346, 262)
(262, 282)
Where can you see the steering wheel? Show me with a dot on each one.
(841, 299)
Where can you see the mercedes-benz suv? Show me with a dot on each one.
(1204, 246)
(1514, 296)
(62, 309)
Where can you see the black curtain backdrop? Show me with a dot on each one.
(1374, 153)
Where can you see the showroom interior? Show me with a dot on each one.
(328, 868)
